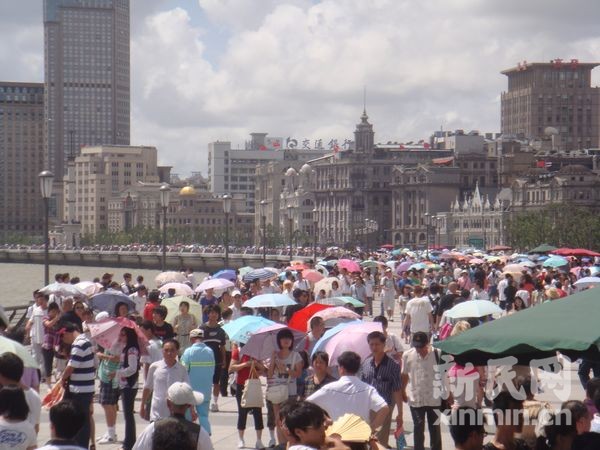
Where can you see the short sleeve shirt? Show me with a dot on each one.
(215, 337)
(421, 375)
(384, 377)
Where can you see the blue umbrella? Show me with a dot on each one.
(261, 274)
(107, 300)
(240, 329)
(418, 266)
(320, 344)
(269, 301)
(227, 274)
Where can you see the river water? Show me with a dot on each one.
(20, 280)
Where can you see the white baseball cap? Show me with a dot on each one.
(101, 316)
(182, 394)
(235, 292)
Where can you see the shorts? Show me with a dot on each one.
(109, 395)
(217, 374)
(389, 303)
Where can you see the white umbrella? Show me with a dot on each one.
(169, 277)
(214, 283)
(89, 288)
(180, 289)
(587, 282)
(63, 289)
(473, 308)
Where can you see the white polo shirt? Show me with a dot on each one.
(348, 395)
(160, 377)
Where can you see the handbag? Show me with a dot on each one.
(277, 393)
(252, 396)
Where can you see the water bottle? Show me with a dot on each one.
(400, 438)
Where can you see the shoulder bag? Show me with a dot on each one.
(252, 395)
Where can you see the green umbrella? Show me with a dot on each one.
(569, 325)
(369, 263)
(544, 248)
(244, 270)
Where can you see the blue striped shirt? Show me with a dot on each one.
(83, 364)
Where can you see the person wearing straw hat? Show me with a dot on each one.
(180, 398)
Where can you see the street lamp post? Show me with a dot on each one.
(291, 230)
(165, 196)
(427, 218)
(227, 210)
(367, 230)
(316, 233)
(263, 221)
(46, 179)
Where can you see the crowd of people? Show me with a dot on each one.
(188, 362)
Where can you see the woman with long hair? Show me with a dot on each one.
(285, 366)
(127, 374)
(17, 431)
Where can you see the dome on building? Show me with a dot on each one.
(187, 190)
(305, 169)
(291, 172)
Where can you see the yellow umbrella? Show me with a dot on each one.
(172, 305)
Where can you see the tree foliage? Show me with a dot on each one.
(561, 225)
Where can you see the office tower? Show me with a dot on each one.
(86, 65)
(553, 101)
(21, 158)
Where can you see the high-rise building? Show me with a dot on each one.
(86, 73)
(21, 157)
(553, 100)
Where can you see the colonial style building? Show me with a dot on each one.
(476, 221)
(418, 194)
(574, 184)
(297, 205)
(198, 215)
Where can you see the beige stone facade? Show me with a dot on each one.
(104, 171)
(558, 95)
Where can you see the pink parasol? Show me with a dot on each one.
(312, 275)
(350, 338)
(336, 315)
(263, 342)
(349, 264)
(106, 332)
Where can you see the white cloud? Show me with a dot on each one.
(298, 67)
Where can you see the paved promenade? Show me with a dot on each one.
(223, 423)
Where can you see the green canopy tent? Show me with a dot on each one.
(544, 248)
(570, 325)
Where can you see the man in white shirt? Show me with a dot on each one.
(502, 285)
(139, 297)
(161, 375)
(300, 282)
(236, 307)
(419, 313)
(35, 328)
(350, 395)
(344, 278)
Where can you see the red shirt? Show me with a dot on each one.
(243, 374)
(148, 308)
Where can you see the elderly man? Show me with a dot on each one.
(161, 375)
(350, 395)
(180, 397)
(199, 360)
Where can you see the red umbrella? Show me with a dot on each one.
(564, 251)
(387, 246)
(299, 320)
(312, 275)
